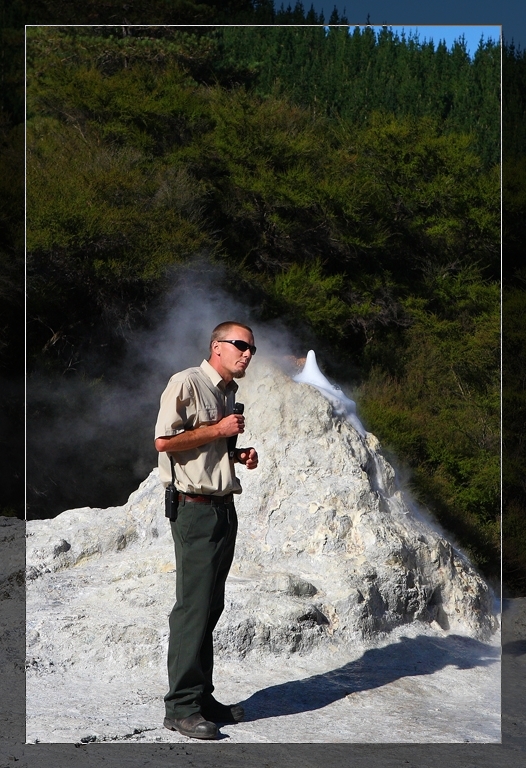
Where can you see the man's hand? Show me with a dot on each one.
(231, 425)
(248, 457)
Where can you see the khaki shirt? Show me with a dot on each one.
(193, 398)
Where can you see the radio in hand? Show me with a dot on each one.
(238, 408)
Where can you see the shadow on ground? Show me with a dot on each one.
(515, 648)
(377, 667)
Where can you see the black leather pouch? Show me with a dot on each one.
(171, 502)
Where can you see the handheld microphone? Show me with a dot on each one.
(238, 408)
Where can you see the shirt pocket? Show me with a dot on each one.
(208, 414)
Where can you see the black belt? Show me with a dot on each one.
(199, 499)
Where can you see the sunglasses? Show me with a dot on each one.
(241, 345)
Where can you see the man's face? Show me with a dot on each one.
(233, 363)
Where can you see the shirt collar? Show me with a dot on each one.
(216, 379)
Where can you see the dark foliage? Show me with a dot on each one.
(374, 230)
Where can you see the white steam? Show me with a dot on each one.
(342, 405)
(95, 435)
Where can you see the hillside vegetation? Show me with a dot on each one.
(351, 185)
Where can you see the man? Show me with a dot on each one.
(196, 420)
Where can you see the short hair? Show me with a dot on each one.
(222, 329)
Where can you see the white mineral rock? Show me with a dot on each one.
(329, 555)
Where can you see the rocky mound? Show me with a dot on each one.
(329, 549)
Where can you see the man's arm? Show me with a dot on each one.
(194, 438)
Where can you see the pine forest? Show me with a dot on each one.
(345, 183)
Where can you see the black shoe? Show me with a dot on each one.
(194, 726)
(221, 713)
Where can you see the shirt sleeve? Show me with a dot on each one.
(177, 411)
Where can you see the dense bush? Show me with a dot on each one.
(375, 230)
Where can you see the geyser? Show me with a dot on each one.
(326, 561)
(342, 405)
(328, 548)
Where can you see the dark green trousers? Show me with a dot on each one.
(204, 537)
